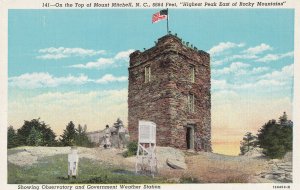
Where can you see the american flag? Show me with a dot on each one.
(161, 15)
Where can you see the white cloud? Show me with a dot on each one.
(258, 49)
(246, 71)
(250, 53)
(52, 56)
(123, 54)
(288, 54)
(62, 52)
(256, 70)
(241, 56)
(232, 58)
(40, 80)
(238, 65)
(268, 58)
(110, 78)
(286, 73)
(221, 47)
(102, 62)
(235, 68)
(272, 80)
(43, 80)
(274, 57)
(217, 62)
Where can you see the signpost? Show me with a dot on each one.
(146, 154)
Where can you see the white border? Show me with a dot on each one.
(32, 4)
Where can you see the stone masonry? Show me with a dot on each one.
(164, 99)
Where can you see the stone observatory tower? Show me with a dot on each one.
(169, 84)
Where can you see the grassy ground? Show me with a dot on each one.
(13, 151)
(202, 167)
(53, 170)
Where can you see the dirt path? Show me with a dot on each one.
(216, 168)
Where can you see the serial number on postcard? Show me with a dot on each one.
(281, 187)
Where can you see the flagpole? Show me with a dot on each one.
(167, 21)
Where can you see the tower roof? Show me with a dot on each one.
(167, 44)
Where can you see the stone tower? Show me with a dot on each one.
(169, 84)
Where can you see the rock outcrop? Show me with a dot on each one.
(280, 170)
(170, 157)
(255, 153)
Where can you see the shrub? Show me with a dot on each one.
(131, 149)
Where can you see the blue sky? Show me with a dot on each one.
(72, 64)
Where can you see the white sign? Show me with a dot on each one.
(147, 132)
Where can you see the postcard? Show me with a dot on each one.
(149, 94)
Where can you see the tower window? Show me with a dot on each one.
(147, 74)
(191, 103)
(192, 74)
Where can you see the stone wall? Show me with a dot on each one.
(163, 100)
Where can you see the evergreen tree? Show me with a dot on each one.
(47, 135)
(276, 138)
(81, 138)
(12, 139)
(249, 141)
(80, 135)
(69, 134)
(118, 123)
(283, 119)
(35, 138)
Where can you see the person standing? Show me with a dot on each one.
(107, 137)
(122, 138)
